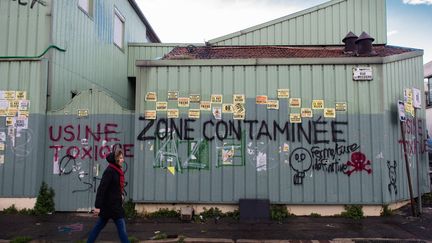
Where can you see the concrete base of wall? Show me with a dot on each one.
(20, 203)
(299, 210)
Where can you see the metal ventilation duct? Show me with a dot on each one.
(350, 45)
(364, 45)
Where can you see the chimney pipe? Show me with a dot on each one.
(364, 45)
(350, 46)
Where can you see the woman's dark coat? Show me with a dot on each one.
(109, 196)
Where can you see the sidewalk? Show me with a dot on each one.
(70, 227)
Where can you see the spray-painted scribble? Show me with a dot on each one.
(359, 163)
(392, 186)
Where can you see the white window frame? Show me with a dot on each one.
(89, 10)
(122, 19)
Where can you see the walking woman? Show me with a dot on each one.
(109, 198)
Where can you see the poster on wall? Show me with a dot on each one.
(216, 99)
(150, 115)
(227, 156)
(416, 98)
(205, 105)
(9, 95)
(20, 122)
(151, 96)
(2, 146)
(306, 112)
(227, 108)
(295, 118)
(161, 106)
(24, 105)
(341, 106)
(261, 99)
(295, 102)
(273, 104)
(238, 98)
(401, 109)
(9, 121)
(172, 95)
(329, 113)
(21, 95)
(173, 113)
(194, 113)
(195, 98)
(283, 93)
(2, 136)
(317, 104)
(239, 108)
(56, 166)
(183, 102)
(217, 113)
(1, 159)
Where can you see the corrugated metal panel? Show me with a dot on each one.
(92, 60)
(265, 169)
(325, 24)
(107, 124)
(399, 76)
(25, 30)
(147, 51)
(21, 172)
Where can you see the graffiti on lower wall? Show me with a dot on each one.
(415, 139)
(392, 185)
(32, 2)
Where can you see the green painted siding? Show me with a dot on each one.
(24, 30)
(92, 60)
(367, 124)
(325, 24)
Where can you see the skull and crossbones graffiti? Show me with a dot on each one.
(358, 163)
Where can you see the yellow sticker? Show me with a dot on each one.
(173, 113)
(239, 116)
(261, 99)
(194, 113)
(283, 93)
(216, 99)
(295, 118)
(150, 115)
(9, 121)
(21, 95)
(239, 108)
(183, 102)
(195, 98)
(205, 105)
(238, 98)
(295, 102)
(3, 112)
(330, 112)
(11, 112)
(161, 106)
(23, 113)
(9, 95)
(83, 112)
(273, 104)
(172, 95)
(306, 112)
(2, 146)
(171, 169)
(227, 108)
(13, 104)
(151, 96)
(317, 104)
(341, 106)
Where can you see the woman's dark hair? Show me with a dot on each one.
(117, 153)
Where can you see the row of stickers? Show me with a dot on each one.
(238, 110)
(15, 107)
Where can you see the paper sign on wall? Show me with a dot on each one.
(341, 106)
(195, 98)
(330, 113)
(9, 95)
(283, 93)
(2, 136)
(21, 122)
(172, 113)
(416, 98)
(205, 105)
(306, 112)
(2, 146)
(273, 104)
(1, 159)
(261, 99)
(216, 99)
(21, 95)
(183, 102)
(239, 108)
(14, 104)
(295, 118)
(227, 108)
(238, 98)
(9, 121)
(217, 113)
(161, 106)
(12, 112)
(172, 95)
(150, 115)
(239, 116)
(194, 113)
(83, 112)
(295, 102)
(401, 109)
(317, 104)
(151, 96)
(24, 105)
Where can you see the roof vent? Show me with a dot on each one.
(350, 45)
(364, 45)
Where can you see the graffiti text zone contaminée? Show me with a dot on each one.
(71, 133)
(313, 132)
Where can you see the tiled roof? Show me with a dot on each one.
(245, 52)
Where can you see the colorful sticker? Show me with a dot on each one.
(295, 102)
(341, 106)
(205, 105)
(216, 99)
(239, 98)
(194, 113)
(151, 96)
(285, 147)
(183, 102)
(150, 115)
(21, 95)
(261, 99)
(195, 98)
(295, 118)
(161, 106)
(330, 112)
(283, 93)
(306, 112)
(317, 104)
(273, 104)
(173, 113)
(9, 121)
(172, 95)
(228, 155)
(227, 108)
(217, 113)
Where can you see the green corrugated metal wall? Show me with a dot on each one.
(107, 124)
(21, 173)
(104, 66)
(325, 24)
(24, 29)
(226, 184)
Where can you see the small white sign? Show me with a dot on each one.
(401, 108)
(362, 73)
(416, 98)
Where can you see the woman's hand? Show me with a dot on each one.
(96, 211)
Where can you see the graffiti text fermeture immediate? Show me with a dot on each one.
(313, 132)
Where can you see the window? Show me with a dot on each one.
(119, 22)
(86, 6)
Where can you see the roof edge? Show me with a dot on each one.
(150, 32)
(278, 20)
(145, 44)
